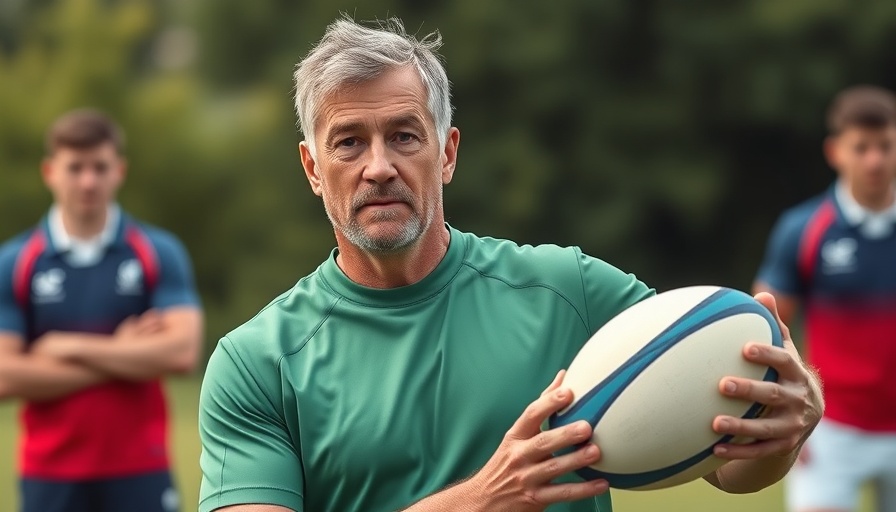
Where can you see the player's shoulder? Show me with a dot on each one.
(12, 248)
(288, 321)
(504, 256)
(511, 259)
(803, 211)
(563, 269)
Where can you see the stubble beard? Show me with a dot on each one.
(411, 231)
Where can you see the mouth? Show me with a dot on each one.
(381, 203)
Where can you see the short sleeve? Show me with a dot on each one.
(248, 455)
(176, 286)
(12, 318)
(608, 290)
(779, 269)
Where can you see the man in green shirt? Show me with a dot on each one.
(414, 368)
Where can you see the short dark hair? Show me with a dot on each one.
(865, 106)
(83, 129)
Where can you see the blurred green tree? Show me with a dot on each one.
(663, 137)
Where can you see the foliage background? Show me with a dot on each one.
(664, 137)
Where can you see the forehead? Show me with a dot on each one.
(103, 151)
(397, 92)
(856, 133)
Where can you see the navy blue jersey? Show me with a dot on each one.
(142, 267)
(846, 280)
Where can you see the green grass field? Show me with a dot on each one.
(184, 393)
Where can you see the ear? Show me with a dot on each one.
(311, 170)
(46, 170)
(122, 169)
(831, 152)
(449, 155)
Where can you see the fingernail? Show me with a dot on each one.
(560, 394)
(720, 450)
(730, 387)
(724, 424)
(754, 351)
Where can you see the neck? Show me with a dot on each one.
(84, 227)
(394, 270)
(874, 201)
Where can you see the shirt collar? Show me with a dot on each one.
(856, 214)
(63, 242)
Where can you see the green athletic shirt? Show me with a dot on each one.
(339, 398)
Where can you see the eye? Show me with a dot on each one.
(349, 142)
(405, 137)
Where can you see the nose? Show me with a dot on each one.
(88, 178)
(378, 166)
(875, 157)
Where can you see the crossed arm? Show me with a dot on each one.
(60, 363)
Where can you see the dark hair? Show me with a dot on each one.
(83, 129)
(865, 106)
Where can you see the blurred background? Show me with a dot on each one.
(663, 137)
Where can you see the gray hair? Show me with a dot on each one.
(350, 53)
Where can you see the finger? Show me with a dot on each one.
(782, 360)
(557, 465)
(762, 429)
(529, 423)
(767, 393)
(768, 300)
(558, 379)
(755, 450)
(556, 493)
(548, 442)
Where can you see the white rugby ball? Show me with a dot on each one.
(648, 382)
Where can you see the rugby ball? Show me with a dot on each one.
(648, 382)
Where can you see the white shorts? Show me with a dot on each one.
(836, 462)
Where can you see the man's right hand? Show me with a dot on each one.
(518, 476)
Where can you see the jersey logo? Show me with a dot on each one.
(47, 286)
(839, 256)
(129, 280)
(25, 279)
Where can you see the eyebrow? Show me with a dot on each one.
(411, 120)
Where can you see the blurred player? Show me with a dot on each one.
(95, 307)
(835, 256)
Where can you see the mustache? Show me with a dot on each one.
(389, 192)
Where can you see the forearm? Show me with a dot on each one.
(751, 475)
(142, 348)
(457, 498)
(146, 358)
(38, 379)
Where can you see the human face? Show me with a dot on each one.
(84, 181)
(865, 159)
(378, 166)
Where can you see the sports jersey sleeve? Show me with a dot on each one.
(176, 286)
(608, 290)
(779, 269)
(247, 452)
(12, 319)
